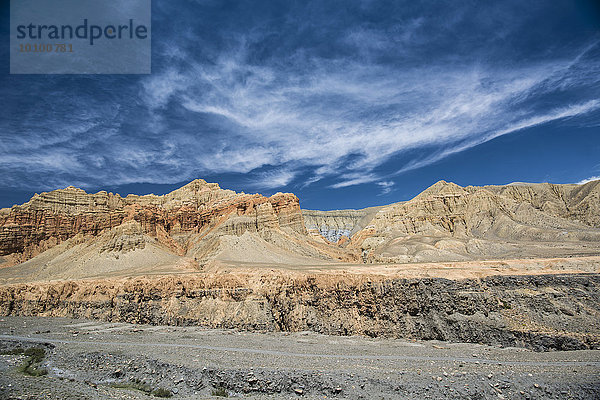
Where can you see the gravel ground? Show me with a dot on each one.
(87, 359)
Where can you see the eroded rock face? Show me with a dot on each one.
(51, 218)
(126, 237)
(447, 222)
(575, 202)
(475, 210)
(333, 225)
(538, 312)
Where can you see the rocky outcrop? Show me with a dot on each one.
(53, 217)
(540, 312)
(333, 225)
(197, 208)
(124, 238)
(580, 203)
(201, 221)
(206, 256)
(449, 222)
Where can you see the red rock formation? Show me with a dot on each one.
(51, 218)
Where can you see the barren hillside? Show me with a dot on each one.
(447, 222)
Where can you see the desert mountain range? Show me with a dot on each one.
(68, 233)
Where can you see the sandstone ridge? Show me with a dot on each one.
(197, 222)
(511, 265)
(69, 233)
(447, 222)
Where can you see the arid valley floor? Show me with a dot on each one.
(86, 358)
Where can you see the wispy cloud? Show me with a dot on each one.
(272, 179)
(587, 180)
(386, 186)
(284, 106)
(346, 119)
(558, 114)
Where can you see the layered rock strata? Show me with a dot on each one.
(178, 220)
(540, 312)
(333, 225)
(447, 222)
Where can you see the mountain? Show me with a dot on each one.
(336, 226)
(447, 222)
(70, 233)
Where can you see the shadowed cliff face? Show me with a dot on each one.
(333, 225)
(195, 209)
(540, 312)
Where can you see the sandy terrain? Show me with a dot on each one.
(449, 270)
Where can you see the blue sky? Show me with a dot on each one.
(347, 104)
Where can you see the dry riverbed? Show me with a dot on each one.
(97, 360)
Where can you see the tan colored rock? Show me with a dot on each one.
(212, 226)
(494, 306)
(198, 207)
(447, 222)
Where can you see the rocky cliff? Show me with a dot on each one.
(206, 256)
(541, 312)
(333, 225)
(447, 222)
(204, 224)
(190, 221)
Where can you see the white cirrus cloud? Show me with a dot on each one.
(587, 180)
(346, 119)
(287, 108)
